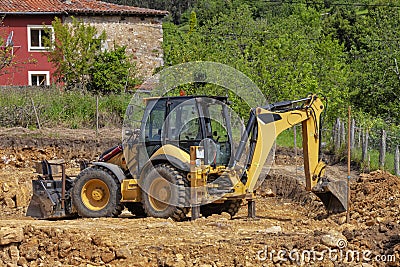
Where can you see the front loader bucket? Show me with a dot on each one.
(333, 194)
(45, 200)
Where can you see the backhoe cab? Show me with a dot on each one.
(184, 158)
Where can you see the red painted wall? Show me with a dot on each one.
(24, 60)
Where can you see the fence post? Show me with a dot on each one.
(337, 135)
(382, 150)
(97, 115)
(343, 133)
(352, 133)
(365, 146)
(36, 114)
(396, 161)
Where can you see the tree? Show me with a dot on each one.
(110, 72)
(375, 79)
(287, 56)
(176, 8)
(6, 55)
(81, 62)
(73, 51)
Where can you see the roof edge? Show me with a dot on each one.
(32, 13)
(125, 13)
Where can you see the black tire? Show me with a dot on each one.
(229, 206)
(136, 208)
(97, 193)
(165, 193)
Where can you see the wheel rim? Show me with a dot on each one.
(95, 194)
(159, 194)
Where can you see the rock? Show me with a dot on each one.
(334, 239)
(342, 220)
(180, 264)
(29, 250)
(356, 215)
(22, 197)
(9, 203)
(22, 262)
(370, 222)
(273, 230)
(267, 193)
(382, 228)
(10, 235)
(14, 253)
(179, 257)
(123, 253)
(107, 256)
(64, 245)
(348, 234)
(5, 187)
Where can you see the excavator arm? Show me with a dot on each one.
(266, 123)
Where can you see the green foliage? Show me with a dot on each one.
(376, 78)
(176, 8)
(6, 55)
(287, 57)
(73, 51)
(76, 52)
(110, 71)
(286, 138)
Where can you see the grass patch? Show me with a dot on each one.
(70, 109)
(286, 138)
(374, 160)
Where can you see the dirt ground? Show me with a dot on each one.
(292, 228)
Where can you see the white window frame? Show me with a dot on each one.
(46, 73)
(39, 48)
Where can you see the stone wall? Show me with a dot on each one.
(142, 37)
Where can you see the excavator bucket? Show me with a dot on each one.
(46, 200)
(333, 194)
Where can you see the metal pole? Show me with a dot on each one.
(348, 166)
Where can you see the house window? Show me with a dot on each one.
(36, 37)
(39, 78)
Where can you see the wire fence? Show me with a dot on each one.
(49, 107)
(375, 147)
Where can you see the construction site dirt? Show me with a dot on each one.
(291, 229)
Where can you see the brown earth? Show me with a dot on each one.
(291, 222)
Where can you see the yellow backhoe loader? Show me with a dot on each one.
(183, 159)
